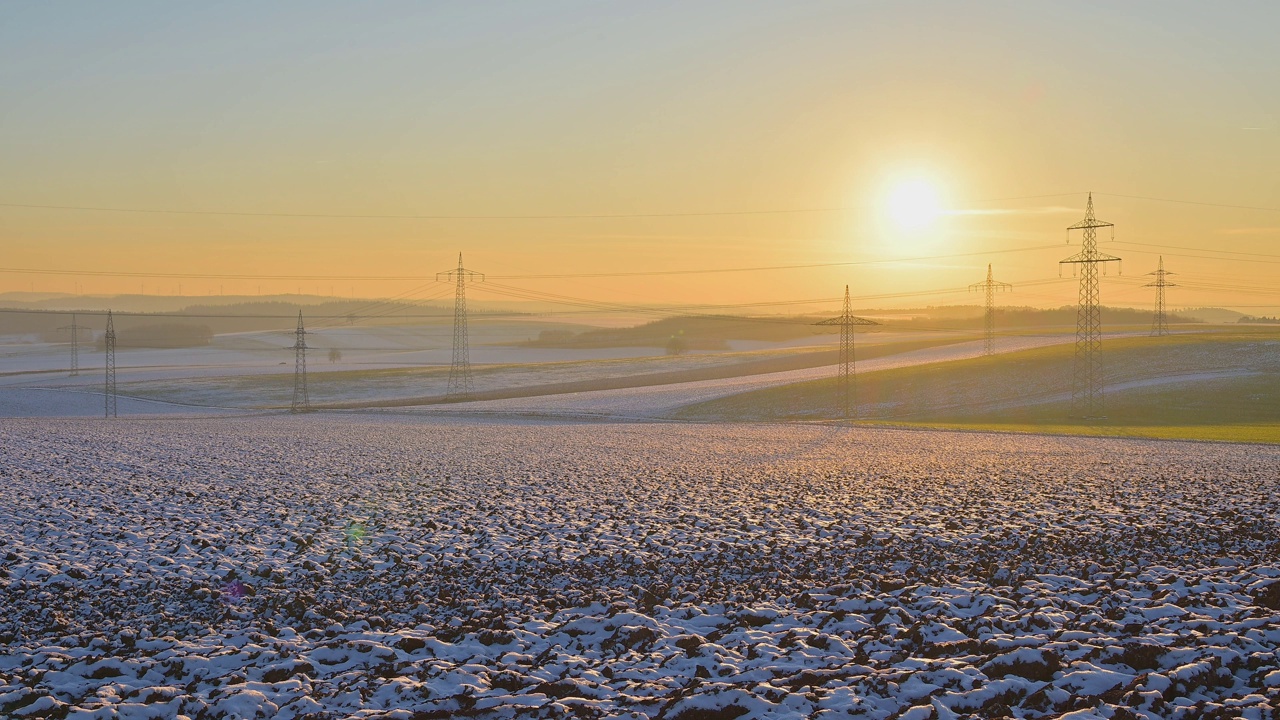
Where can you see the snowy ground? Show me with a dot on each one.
(396, 567)
(25, 360)
(253, 370)
(40, 402)
(662, 400)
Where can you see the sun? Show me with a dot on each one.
(914, 204)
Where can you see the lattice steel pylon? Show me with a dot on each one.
(990, 285)
(1086, 380)
(301, 400)
(109, 345)
(460, 371)
(75, 344)
(848, 381)
(1160, 323)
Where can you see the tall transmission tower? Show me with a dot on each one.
(75, 344)
(848, 382)
(460, 370)
(109, 343)
(990, 285)
(1086, 379)
(301, 401)
(1160, 324)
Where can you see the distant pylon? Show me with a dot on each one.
(75, 344)
(109, 343)
(460, 370)
(990, 285)
(1160, 324)
(1086, 380)
(848, 382)
(301, 401)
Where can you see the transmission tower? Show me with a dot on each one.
(848, 382)
(1160, 325)
(990, 285)
(1086, 379)
(109, 342)
(301, 401)
(75, 344)
(460, 370)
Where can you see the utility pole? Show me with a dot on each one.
(1160, 324)
(990, 285)
(301, 401)
(109, 341)
(75, 344)
(460, 370)
(1086, 379)
(848, 382)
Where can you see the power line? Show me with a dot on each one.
(1192, 202)
(388, 307)
(586, 306)
(379, 216)
(556, 276)
(1183, 247)
(846, 263)
(1207, 284)
(1205, 257)
(585, 216)
(569, 216)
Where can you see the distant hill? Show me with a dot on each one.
(714, 332)
(1212, 315)
(683, 333)
(678, 334)
(952, 318)
(237, 317)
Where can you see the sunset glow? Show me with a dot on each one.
(365, 153)
(661, 360)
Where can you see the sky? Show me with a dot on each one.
(897, 147)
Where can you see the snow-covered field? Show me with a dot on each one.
(255, 370)
(659, 401)
(400, 567)
(42, 402)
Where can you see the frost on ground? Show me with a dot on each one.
(322, 567)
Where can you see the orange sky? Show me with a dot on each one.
(576, 108)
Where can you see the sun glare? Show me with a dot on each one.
(914, 204)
